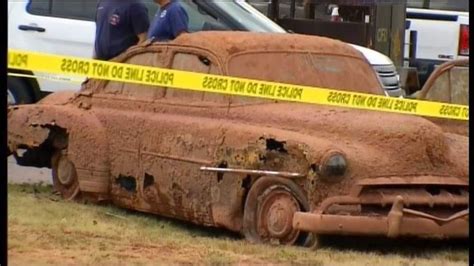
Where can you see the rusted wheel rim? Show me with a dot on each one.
(66, 171)
(275, 216)
(65, 178)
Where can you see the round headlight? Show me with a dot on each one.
(333, 165)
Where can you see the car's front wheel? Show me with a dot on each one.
(269, 209)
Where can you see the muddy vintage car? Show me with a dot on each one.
(277, 172)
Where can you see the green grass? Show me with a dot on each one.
(43, 229)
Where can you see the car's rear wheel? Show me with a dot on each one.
(269, 209)
(65, 179)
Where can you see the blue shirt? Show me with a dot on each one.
(118, 22)
(169, 22)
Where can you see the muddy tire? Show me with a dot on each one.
(18, 92)
(65, 179)
(268, 212)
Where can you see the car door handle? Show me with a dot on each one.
(33, 28)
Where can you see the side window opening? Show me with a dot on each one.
(200, 64)
(39, 7)
(82, 10)
(216, 97)
(157, 58)
(188, 62)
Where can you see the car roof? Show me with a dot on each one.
(227, 43)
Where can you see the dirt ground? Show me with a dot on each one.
(44, 230)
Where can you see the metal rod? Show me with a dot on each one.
(166, 156)
(249, 171)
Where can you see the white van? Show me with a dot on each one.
(68, 28)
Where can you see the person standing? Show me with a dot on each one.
(169, 22)
(119, 25)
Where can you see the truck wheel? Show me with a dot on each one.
(269, 209)
(18, 92)
(65, 179)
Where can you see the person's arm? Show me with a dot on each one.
(142, 37)
(139, 20)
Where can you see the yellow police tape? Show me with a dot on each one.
(47, 77)
(97, 69)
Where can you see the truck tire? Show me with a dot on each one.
(18, 92)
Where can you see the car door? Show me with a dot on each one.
(124, 110)
(53, 27)
(180, 138)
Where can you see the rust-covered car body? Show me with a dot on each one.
(271, 170)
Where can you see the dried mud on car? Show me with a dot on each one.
(276, 172)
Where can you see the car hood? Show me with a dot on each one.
(374, 57)
(376, 143)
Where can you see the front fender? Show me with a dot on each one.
(30, 126)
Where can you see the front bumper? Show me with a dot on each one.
(393, 225)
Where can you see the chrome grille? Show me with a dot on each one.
(389, 78)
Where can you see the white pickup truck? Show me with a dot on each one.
(442, 30)
(68, 28)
